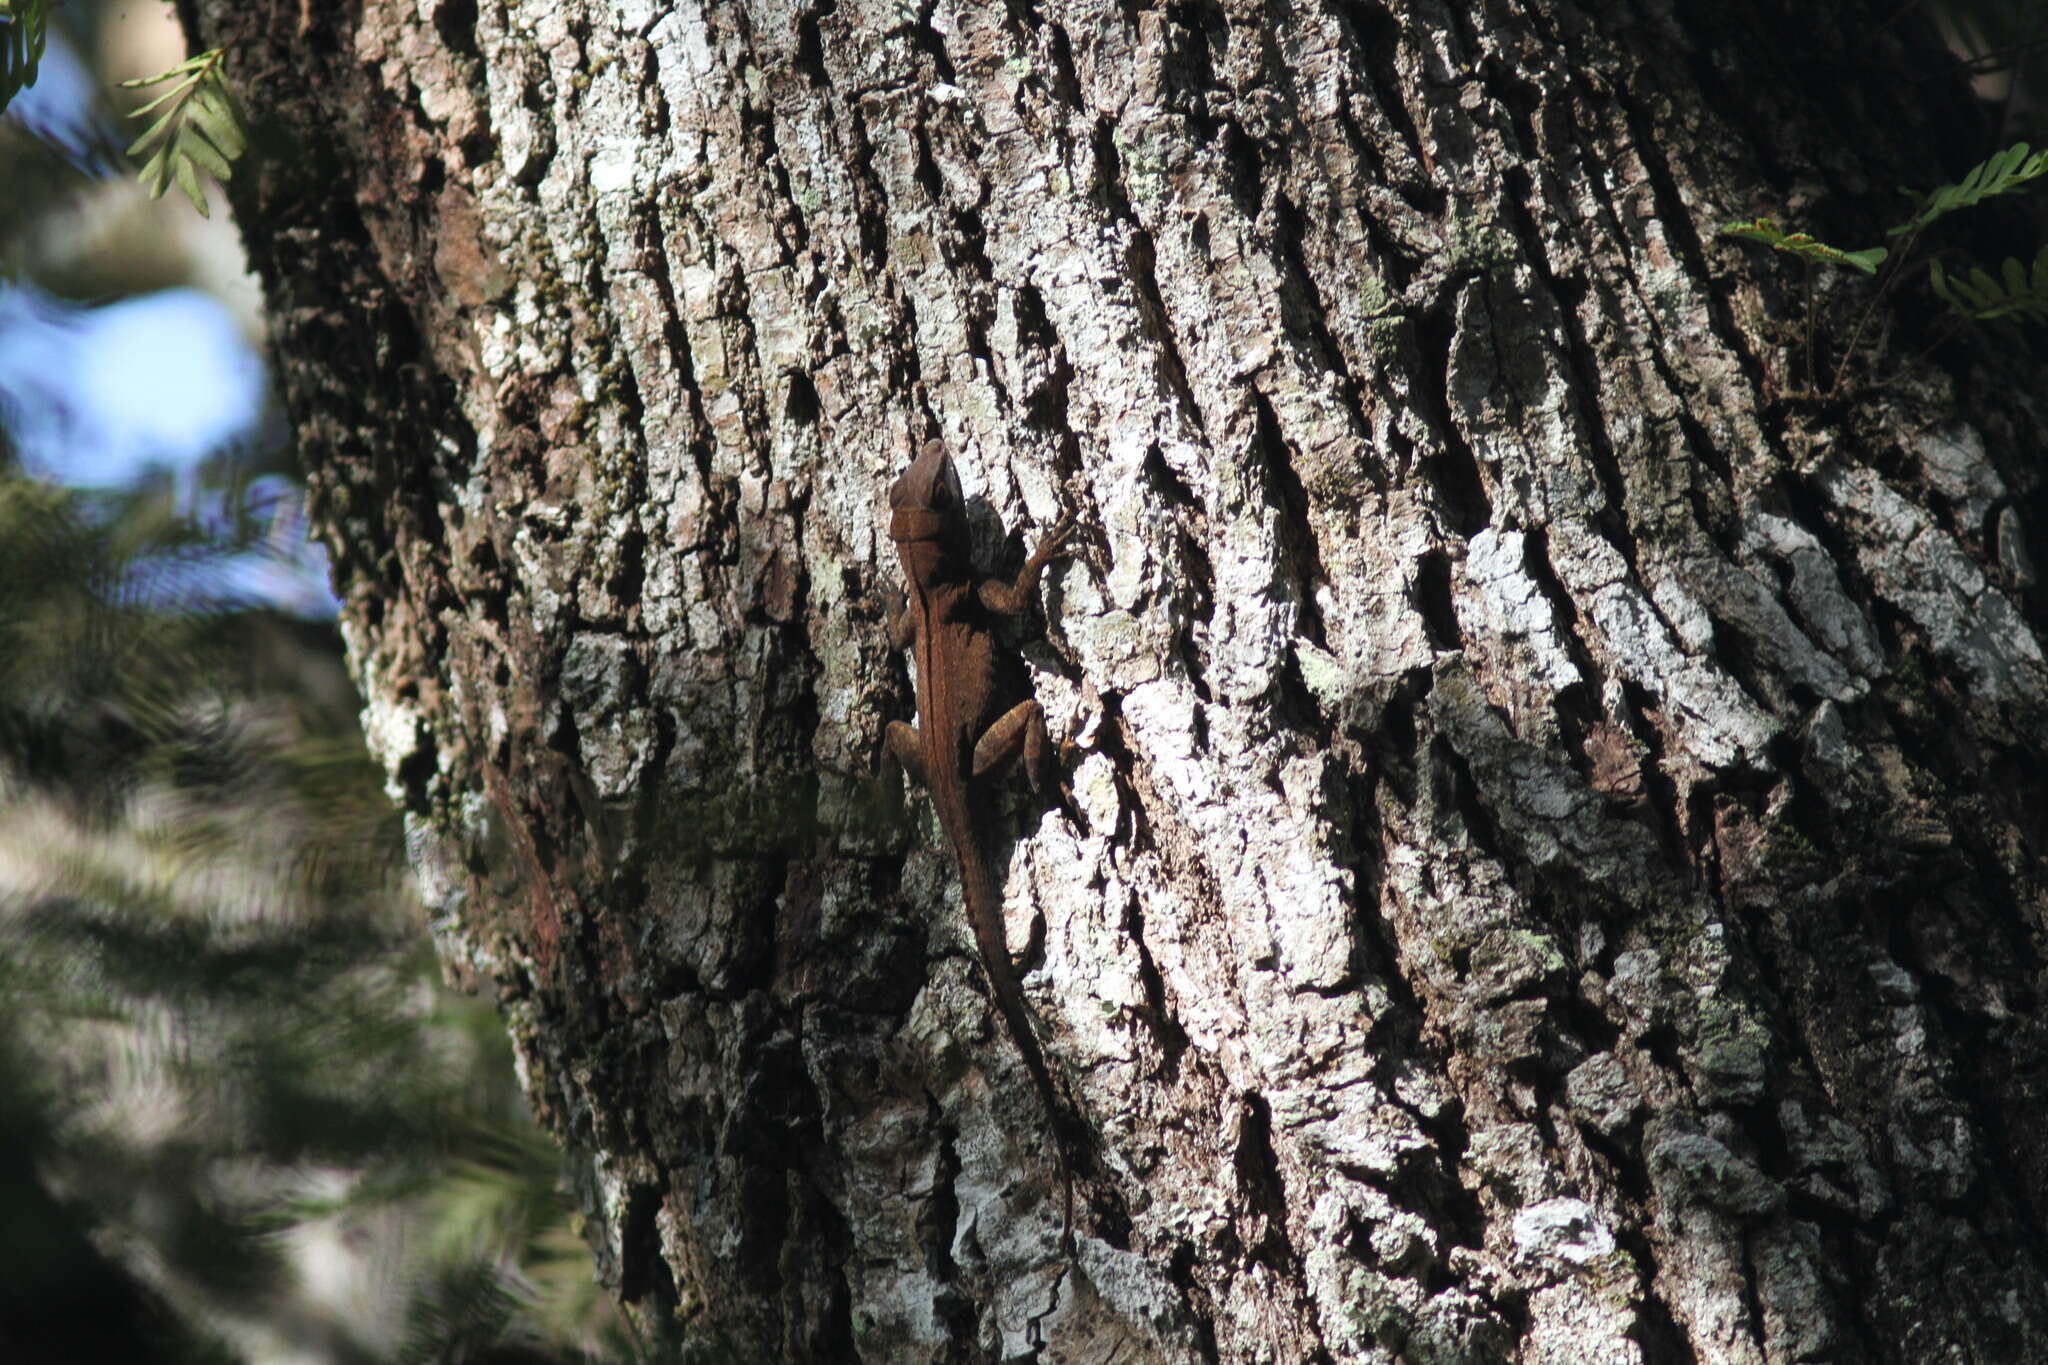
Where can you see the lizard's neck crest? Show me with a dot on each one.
(916, 523)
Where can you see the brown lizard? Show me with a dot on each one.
(957, 746)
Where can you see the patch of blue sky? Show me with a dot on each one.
(95, 397)
(99, 397)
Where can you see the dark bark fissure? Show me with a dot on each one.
(1454, 471)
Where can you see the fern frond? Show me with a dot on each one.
(2000, 173)
(1805, 246)
(2016, 293)
(21, 45)
(200, 127)
(217, 117)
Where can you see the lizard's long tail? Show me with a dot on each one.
(985, 913)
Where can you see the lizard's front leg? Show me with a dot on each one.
(1009, 599)
(902, 747)
(902, 625)
(902, 752)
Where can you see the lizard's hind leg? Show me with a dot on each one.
(903, 747)
(1019, 730)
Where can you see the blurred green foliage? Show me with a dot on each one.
(24, 29)
(240, 1117)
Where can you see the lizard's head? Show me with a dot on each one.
(929, 483)
(926, 501)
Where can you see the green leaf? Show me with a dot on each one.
(155, 175)
(213, 111)
(188, 181)
(2000, 173)
(2016, 292)
(195, 146)
(1937, 280)
(154, 134)
(189, 64)
(180, 88)
(1756, 229)
(1805, 246)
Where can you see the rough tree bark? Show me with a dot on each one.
(1554, 867)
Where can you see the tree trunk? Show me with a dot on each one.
(1553, 868)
